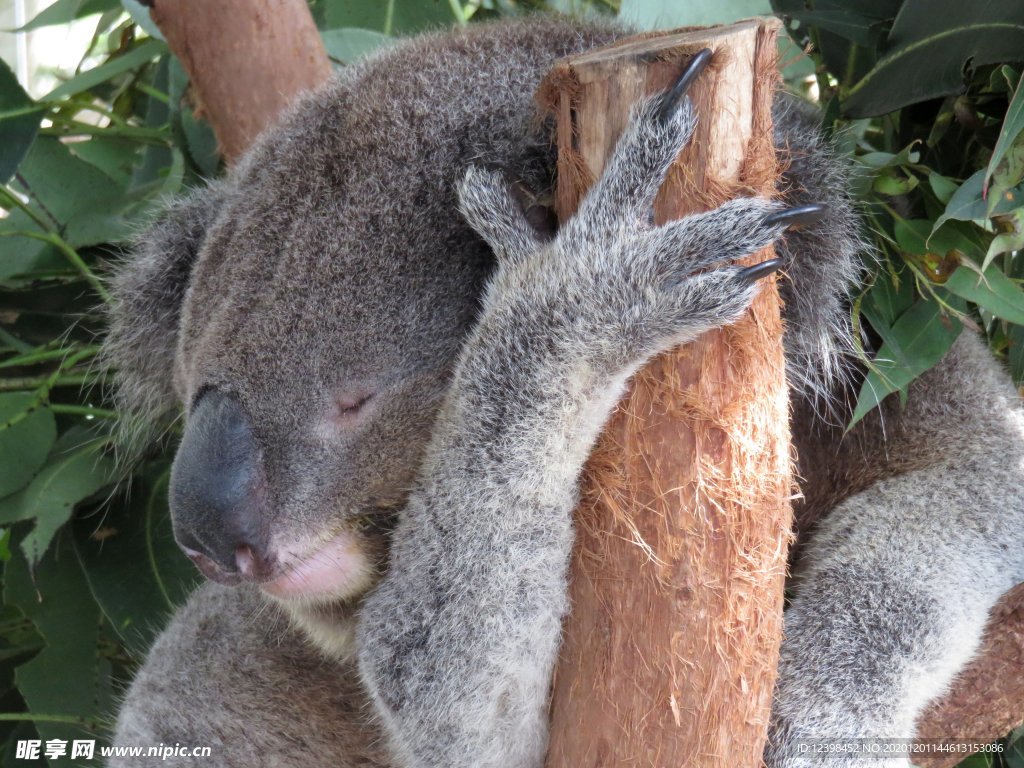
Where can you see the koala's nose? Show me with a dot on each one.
(217, 508)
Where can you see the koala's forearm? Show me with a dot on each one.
(457, 644)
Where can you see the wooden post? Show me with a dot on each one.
(247, 60)
(677, 576)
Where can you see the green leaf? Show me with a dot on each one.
(1010, 237)
(65, 11)
(1013, 126)
(942, 186)
(27, 433)
(913, 345)
(894, 184)
(63, 678)
(349, 45)
(847, 24)
(113, 155)
(18, 130)
(968, 203)
(157, 157)
(889, 297)
(995, 292)
(86, 203)
(917, 237)
(69, 476)
(666, 14)
(135, 58)
(1015, 357)
(202, 143)
(140, 15)
(391, 17)
(929, 47)
(135, 570)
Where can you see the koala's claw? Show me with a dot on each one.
(800, 216)
(756, 272)
(670, 101)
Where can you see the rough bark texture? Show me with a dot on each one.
(247, 60)
(987, 700)
(677, 576)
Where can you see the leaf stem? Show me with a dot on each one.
(84, 410)
(70, 254)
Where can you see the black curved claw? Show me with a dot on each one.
(670, 101)
(756, 272)
(797, 217)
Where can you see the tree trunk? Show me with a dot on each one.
(677, 576)
(987, 699)
(247, 60)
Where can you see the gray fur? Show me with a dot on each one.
(334, 264)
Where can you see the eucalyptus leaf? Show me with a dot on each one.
(140, 15)
(135, 570)
(66, 11)
(942, 186)
(666, 14)
(993, 291)
(968, 202)
(202, 143)
(349, 45)
(1013, 126)
(27, 433)
(135, 58)
(845, 23)
(80, 199)
(156, 157)
(21, 255)
(390, 17)
(68, 477)
(113, 155)
(929, 47)
(1010, 227)
(1015, 358)
(894, 184)
(63, 678)
(889, 297)
(19, 122)
(916, 236)
(914, 344)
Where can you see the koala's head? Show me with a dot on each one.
(306, 314)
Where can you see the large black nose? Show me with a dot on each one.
(217, 506)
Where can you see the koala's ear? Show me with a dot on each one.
(488, 204)
(147, 290)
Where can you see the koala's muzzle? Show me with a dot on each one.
(217, 506)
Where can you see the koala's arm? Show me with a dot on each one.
(457, 644)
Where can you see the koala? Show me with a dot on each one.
(391, 377)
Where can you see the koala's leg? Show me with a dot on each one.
(899, 579)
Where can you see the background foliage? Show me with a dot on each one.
(927, 94)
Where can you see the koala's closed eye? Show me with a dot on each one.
(347, 408)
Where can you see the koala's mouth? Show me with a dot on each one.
(336, 569)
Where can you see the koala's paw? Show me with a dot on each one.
(624, 288)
